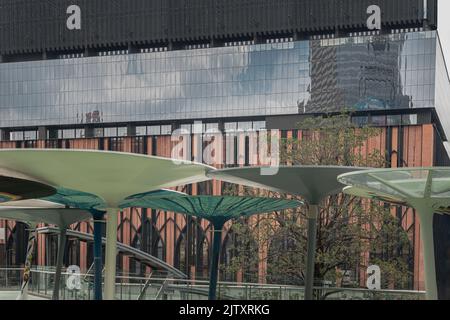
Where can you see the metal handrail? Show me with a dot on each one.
(229, 284)
(146, 285)
(163, 286)
(132, 287)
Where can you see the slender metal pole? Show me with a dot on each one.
(98, 263)
(313, 213)
(23, 295)
(214, 265)
(111, 252)
(59, 262)
(426, 216)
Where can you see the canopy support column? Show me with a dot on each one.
(98, 263)
(23, 295)
(59, 262)
(426, 234)
(214, 265)
(313, 213)
(111, 253)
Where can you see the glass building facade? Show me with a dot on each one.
(376, 72)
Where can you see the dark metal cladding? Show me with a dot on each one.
(28, 26)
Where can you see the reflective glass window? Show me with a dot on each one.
(166, 130)
(141, 131)
(384, 72)
(154, 130)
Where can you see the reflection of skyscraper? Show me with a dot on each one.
(325, 92)
(359, 74)
(380, 84)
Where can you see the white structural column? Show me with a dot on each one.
(111, 253)
(426, 216)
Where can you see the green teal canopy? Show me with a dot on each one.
(76, 199)
(217, 209)
(137, 200)
(86, 201)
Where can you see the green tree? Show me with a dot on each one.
(349, 228)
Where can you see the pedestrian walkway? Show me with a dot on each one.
(12, 295)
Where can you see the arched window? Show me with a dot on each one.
(192, 249)
(147, 239)
(125, 226)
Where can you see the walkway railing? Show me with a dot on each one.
(134, 288)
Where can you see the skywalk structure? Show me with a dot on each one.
(123, 76)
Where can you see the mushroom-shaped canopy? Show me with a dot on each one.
(425, 189)
(311, 182)
(217, 209)
(403, 186)
(111, 176)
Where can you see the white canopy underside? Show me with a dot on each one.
(311, 182)
(31, 204)
(60, 217)
(401, 186)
